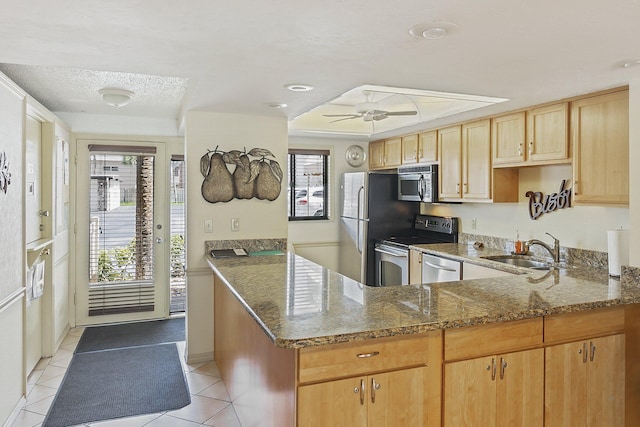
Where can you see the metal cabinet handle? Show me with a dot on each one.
(593, 351)
(503, 366)
(367, 355)
(530, 148)
(583, 352)
(493, 369)
(374, 386)
(575, 187)
(520, 149)
(362, 391)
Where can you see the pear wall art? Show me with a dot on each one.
(253, 174)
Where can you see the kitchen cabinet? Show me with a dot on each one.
(410, 149)
(474, 271)
(536, 137)
(497, 390)
(428, 147)
(584, 368)
(382, 382)
(585, 383)
(494, 375)
(600, 138)
(385, 154)
(386, 399)
(465, 162)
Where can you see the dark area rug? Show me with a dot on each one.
(119, 383)
(131, 335)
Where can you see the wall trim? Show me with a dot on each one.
(15, 413)
(199, 357)
(12, 298)
(201, 271)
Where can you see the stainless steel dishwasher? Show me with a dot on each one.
(437, 269)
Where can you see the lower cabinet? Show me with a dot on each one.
(499, 390)
(387, 399)
(585, 383)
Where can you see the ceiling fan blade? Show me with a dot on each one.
(344, 118)
(353, 116)
(401, 113)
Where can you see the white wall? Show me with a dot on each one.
(120, 125)
(634, 173)
(258, 218)
(583, 227)
(318, 240)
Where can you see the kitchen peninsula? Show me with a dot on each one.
(298, 344)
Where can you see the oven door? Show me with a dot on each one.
(392, 265)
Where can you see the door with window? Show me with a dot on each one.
(122, 232)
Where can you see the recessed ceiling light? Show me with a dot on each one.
(277, 105)
(433, 30)
(630, 63)
(299, 87)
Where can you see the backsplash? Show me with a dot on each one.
(250, 245)
(570, 255)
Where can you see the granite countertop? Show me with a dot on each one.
(299, 303)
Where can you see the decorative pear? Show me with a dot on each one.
(268, 180)
(218, 184)
(245, 186)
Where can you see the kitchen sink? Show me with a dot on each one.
(520, 262)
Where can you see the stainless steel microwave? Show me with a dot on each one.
(418, 183)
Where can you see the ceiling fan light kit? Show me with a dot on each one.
(116, 97)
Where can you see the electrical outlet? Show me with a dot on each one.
(474, 223)
(235, 224)
(208, 226)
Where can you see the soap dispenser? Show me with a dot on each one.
(518, 247)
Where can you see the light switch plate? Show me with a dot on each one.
(235, 224)
(208, 226)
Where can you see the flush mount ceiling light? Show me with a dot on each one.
(299, 87)
(116, 97)
(433, 30)
(277, 105)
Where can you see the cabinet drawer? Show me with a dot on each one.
(583, 324)
(495, 338)
(364, 357)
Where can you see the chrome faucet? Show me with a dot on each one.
(555, 251)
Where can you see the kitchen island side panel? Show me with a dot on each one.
(259, 376)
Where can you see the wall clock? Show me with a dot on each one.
(355, 156)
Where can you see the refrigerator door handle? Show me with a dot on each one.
(359, 219)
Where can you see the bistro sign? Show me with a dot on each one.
(540, 204)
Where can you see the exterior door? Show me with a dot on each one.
(122, 235)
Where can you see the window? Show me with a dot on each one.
(307, 195)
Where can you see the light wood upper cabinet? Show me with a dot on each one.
(548, 133)
(393, 152)
(450, 171)
(428, 147)
(476, 160)
(465, 162)
(585, 383)
(385, 154)
(499, 390)
(600, 138)
(508, 139)
(410, 149)
(535, 137)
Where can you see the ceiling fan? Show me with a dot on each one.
(369, 111)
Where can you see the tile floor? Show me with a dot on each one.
(210, 405)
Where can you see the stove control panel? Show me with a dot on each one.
(437, 224)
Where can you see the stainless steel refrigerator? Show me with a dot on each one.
(370, 210)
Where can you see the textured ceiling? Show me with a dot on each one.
(237, 57)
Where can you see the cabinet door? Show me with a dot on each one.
(428, 147)
(605, 381)
(398, 398)
(565, 385)
(333, 403)
(450, 171)
(376, 154)
(548, 133)
(393, 153)
(409, 149)
(600, 138)
(508, 139)
(470, 393)
(520, 393)
(476, 160)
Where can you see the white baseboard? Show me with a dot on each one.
(13, 416)
(200, 357)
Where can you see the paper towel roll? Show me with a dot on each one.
(618, 245)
